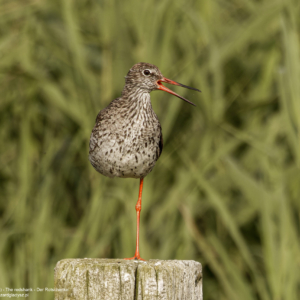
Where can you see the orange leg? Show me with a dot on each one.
(138, 209)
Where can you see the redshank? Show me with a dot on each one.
(126, 140)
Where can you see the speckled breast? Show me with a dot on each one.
(126, 145)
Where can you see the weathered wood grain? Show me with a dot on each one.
(118, 279)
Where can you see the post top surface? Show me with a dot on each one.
(115, 279)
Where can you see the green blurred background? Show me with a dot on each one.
(226, 190)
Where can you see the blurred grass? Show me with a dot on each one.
(226, 190)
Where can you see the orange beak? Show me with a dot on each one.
(163, 88)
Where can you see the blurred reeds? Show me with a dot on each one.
(226, 190)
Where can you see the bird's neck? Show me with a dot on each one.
(137, 97)
(139, 108)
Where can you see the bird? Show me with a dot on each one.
(127, 140)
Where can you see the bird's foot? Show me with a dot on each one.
(137, 257)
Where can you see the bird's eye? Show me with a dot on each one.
(147, 72)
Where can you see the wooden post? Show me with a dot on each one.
(118, 279)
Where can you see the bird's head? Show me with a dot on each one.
(149, 78)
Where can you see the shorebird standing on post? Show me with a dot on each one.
(127, 140)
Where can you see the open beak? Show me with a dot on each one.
(163, 88)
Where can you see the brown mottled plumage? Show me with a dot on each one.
(127, 139)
